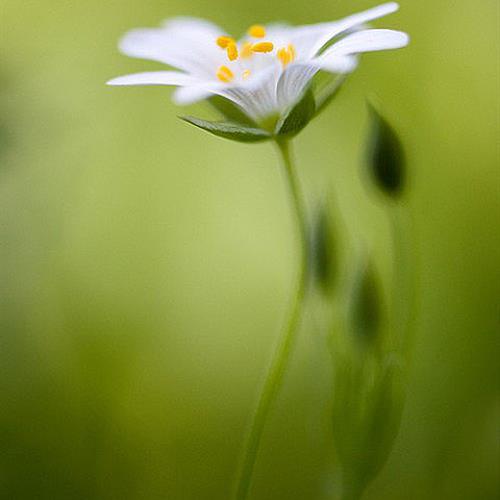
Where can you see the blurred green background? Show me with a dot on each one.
(146, 267)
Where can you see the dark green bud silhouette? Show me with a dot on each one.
(385, 155)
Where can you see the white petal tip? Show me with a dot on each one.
(185, 96)
(178, 100)
(391, 6)
(154, 78)
(402, 40)
(121, 81)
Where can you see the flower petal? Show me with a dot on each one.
(193, 27)
(154, 78)
(310, 39)
(293, 82)
(185, 43)
(256, 96)
(184, 96)
(367, 41)
(336, 63)
(296, 77)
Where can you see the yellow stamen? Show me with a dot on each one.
(287, 55)
(263, 47)
(224, 74)
(257, 31)
(232, 51)
(246, 50)
(283, 56)
(224, 41)
(246, 74)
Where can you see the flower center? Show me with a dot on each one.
(247, 49)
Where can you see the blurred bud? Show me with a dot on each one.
(366, 417)
(323, 250)
(385, 155)
(368, 391)
(365, 306)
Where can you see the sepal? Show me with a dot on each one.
(298, 116)
(231, 111)
(228, 130)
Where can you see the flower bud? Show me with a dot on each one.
(323, 249)
(365, 307)
(385, 155)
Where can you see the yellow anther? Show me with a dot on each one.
(232, 51)
(224, 41)
(287, 55)
(263, 47)
(224, 74)
(283, 56)
(257, 31)
(246, 50)
(246, 74)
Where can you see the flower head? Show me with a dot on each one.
(266, 71)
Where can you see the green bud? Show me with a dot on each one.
(365, 307)
(323, 251)
(385, 155)
(368, 400)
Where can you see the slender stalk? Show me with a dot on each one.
(297, 206)
(279, 362)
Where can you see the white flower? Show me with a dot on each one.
(266, 71)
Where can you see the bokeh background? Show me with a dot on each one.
(146, 267)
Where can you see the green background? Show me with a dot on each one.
(146, 267)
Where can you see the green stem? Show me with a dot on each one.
(297, 206)
(286, 342)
